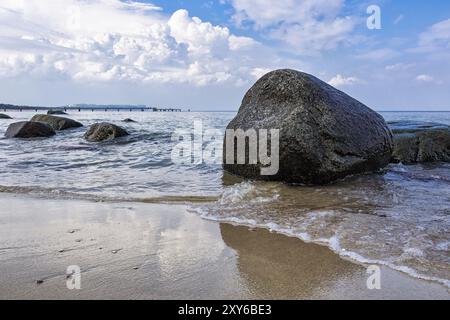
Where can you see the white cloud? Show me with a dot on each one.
(111, 40)
(399, 67)
(437, 36)
(342, 81)
(201, 38)
(265, 13)
(379, 54)
(241, 43)
(425, 78)
(259, 72)
(308, 26)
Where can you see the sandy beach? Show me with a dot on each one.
(161, 251)
(224, 150)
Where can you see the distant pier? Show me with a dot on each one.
(92, 109)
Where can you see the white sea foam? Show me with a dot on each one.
(443, 246)
(332, 243)
(355, 235)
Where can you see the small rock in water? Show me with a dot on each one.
(128, 120)
(60, 112)
(29, 129)
(104, 131)
(73, 230)
(57, 123)
(38, 282)
(4, 116)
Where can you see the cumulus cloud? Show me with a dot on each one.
(112, 40)
(242, 43)
(259, 72)
(437, 36)
(342, 81)
(308, 26)
(426, 78)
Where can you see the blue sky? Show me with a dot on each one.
(205, 55)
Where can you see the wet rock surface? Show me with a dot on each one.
(104, 131)
(29, 129)
(417, 142)
(56, 112)
(325, 134)
(57, 123)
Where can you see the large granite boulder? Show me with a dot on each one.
(103, 132)
(416, 142)
(325, 134)
(57, 123)
(56, 112)
(4, 116)
(29, 129)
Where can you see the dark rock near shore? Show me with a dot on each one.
(104, 131)
(56, 112)
(29, 129)
(325, 134)
(417, 142)
(57, 123)
(4, 116)
(129, 120)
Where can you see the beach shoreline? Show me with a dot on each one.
(163, 251)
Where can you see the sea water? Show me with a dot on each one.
(399, 217)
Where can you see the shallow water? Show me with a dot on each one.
(400, 218)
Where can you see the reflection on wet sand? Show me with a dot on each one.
(398, 218)
(148, 251)
(276, 266)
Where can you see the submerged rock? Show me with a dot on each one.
(56, 112)
(29, 129)
(4, 116)
(325, 134)
(128, 120)
(57, 123)
(104, 131)
(416, 142)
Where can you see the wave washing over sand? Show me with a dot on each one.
(399, 218)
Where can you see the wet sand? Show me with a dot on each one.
(161, 251)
